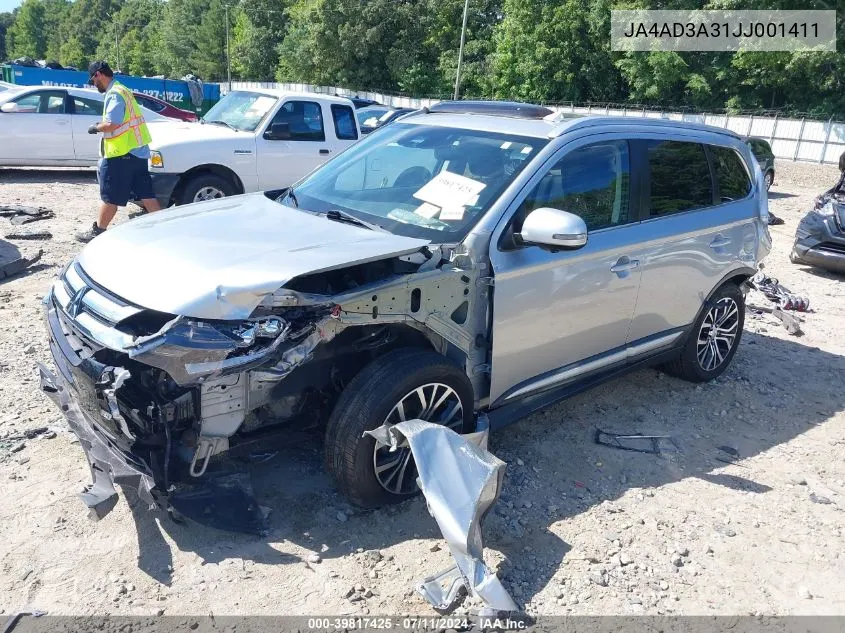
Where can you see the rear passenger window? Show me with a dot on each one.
(680, 177)
(304, 120)
(731, 177)
(344, 122)
(592, 182)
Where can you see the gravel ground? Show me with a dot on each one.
(580, 528)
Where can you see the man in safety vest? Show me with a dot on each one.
(124, 151)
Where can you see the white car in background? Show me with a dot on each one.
(251, 140)
(47, 126)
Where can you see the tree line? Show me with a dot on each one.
(534, 50)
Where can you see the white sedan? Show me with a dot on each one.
(47, 126)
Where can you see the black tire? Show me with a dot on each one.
(769, 179)
(366, 403)
(206, 180)
(690, 366)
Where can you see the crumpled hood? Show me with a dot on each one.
(219, 259)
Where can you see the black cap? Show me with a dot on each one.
(95, 67)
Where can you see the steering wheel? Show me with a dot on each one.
(415, 176)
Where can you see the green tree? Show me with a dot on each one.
(554, 51)
(258, 30)
(85, 24)
(6, 20)
(132, 38)
(26, 34)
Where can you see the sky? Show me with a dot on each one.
(8, 5)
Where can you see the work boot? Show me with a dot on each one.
(90, 234)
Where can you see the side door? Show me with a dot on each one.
(39, 131)
(85, 111)
(699, 218)
(292, 144)
(559, 314)
(344, 128)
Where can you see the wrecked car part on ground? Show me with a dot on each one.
(778, 293)
(820, 235)
(461, 481)
(636, 442)
(421, 274)
(791, 323)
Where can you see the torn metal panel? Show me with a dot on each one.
(108, 466)
(461, 482)
(430, 298)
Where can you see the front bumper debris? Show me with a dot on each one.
(461, 482)
(107, 463)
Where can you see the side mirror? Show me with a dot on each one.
(555, 228)
(9, 107)
(278, 132)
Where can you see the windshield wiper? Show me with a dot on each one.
(342, 216)
(228, 125)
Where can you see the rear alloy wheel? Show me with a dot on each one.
(404, 384)
(714, 338)
(717, 334)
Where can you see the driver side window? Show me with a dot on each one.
(592, 182)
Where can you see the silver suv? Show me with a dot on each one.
(473, 261)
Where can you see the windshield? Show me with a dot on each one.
(420, 181)
(241, 110)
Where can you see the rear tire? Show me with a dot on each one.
(370, 400)
(714, 337)
(206, 186)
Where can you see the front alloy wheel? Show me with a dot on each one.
(208, 193)
(434, 402)
(404, 384)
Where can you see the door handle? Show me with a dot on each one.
(719, 241)
(624, 264)
(61, 122)
(324, 152)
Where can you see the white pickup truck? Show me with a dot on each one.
(251, 140)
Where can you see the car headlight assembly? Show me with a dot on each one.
(156, 160)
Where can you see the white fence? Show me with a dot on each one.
(792, 139)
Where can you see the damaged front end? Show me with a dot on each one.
(154, 397)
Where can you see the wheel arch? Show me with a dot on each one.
(208, 168)
(737, 277)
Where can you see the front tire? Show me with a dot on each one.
(714, 338)
(206, 186)
(402, 385)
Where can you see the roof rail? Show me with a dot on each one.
(512, 109)
(590, 121)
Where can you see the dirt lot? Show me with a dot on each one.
(580, 528)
